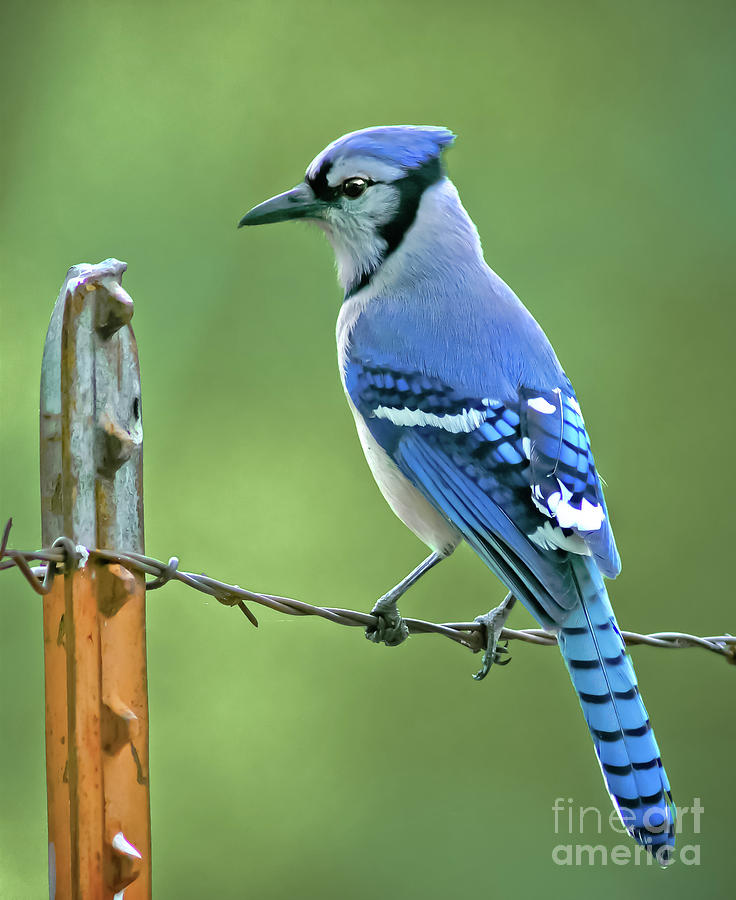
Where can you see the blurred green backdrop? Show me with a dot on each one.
(595, 154)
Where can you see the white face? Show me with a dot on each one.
(352, 227)
(366, 201)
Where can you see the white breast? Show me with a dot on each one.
(400, 494)
(403, 498)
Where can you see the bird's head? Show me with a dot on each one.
(363, 190)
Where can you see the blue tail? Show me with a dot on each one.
(604, 679)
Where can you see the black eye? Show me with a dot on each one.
(354, 187)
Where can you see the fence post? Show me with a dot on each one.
(94, 616)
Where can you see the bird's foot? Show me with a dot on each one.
(495, 652)
(390, 629)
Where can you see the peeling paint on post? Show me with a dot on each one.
(94, 617)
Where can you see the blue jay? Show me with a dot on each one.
(473, 431)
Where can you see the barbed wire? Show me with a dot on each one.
(63, 556)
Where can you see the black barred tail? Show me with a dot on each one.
(605, 681)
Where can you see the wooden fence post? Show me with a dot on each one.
(94, 616)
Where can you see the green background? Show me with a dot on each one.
(595, 154)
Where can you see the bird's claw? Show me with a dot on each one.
(495, 652)
(498, 654)
(390, 629)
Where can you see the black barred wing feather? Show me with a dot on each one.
(564, 481)
(412, 399)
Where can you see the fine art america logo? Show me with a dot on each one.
(576, 828)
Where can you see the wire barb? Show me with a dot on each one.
(469, 634)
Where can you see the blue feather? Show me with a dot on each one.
(408, 146)
(606, 684)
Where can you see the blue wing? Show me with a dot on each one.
(517, 478)
(564, 481)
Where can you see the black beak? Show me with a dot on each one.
(298, 203)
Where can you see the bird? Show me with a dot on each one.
(473, 431)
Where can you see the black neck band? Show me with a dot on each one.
(410, 187)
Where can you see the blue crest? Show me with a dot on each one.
(408, 146)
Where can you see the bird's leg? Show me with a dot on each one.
(493, 623)
(390, 627)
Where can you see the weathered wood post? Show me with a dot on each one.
(94, 616)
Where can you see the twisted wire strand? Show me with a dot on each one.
(64, 556)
